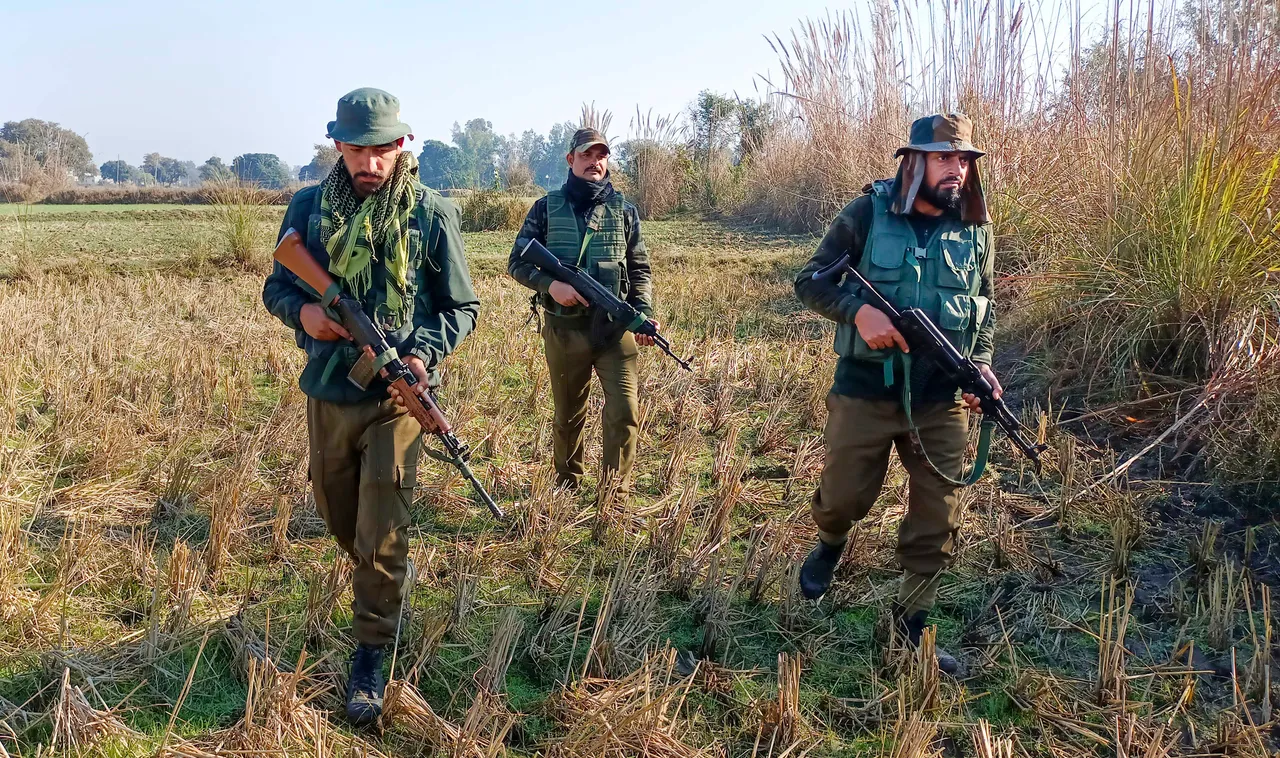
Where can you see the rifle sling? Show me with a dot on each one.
(984, 436)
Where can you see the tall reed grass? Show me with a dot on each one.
(1131, 175)
(241, 210)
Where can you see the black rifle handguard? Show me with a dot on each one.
(595, 293)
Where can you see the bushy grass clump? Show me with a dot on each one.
(491, 211)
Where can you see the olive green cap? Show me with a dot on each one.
(584, 138)
(942, 133)
(368, 116)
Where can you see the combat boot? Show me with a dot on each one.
(818, 569)
(365, 685)
(910, 628)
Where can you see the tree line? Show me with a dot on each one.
(712, 137)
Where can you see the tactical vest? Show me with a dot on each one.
(603, 251)
(942, 279)
(421, 227)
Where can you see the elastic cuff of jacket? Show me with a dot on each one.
(851, 306)
(293, 316)
(428, 356)
(984, 360)
(543, 283)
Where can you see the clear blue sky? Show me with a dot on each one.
(190, 80)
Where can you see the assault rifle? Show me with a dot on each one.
(924, 337)
(293, 255)
(619, 312)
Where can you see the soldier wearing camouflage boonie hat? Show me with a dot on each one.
(923, 239)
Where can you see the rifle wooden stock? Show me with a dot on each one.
(293, 255)
(422, 408)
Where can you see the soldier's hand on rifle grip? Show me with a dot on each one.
(319, 326)
(973, 401)
(566, 295)
(415, 365)
(645, 339)
(877, 330)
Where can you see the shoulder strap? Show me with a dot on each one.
(593, 224)
(425, 208)
(984, 437)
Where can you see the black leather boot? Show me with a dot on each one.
(818, 568)
(910, 628)
(365, 685)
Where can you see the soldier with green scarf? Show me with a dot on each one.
(395, 246)
(923, 240)
(589, 224)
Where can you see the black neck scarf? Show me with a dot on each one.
(583, 195)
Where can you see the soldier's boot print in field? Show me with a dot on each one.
(911, 627)
(365, 685)
(818, 569)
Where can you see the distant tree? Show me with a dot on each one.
(755, 123)
(34, 143)
(321, 164)
(265, 169)
(164, 170)
(190, 173)
(715, 123)
(547, 163)
(214, 170)
(119, 171)
(442, 166)
(481, 150)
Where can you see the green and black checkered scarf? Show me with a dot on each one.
(355, 230)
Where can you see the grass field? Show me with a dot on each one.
(16, 209)
(166, 586)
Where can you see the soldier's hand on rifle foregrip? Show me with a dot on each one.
(645, 339)
(877, 330)
(973, 401)
(566, 295)
(415, 365)
(319, 326)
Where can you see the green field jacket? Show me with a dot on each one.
(444, 305)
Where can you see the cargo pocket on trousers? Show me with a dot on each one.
(406, 483)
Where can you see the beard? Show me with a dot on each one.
(943, 199)
(366, 183)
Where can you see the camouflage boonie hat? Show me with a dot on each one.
(942, 133)
(584, 138)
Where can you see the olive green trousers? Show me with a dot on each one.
(570, 361)
(859, 436)
(364, 462)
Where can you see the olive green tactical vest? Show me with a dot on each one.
(942, 279)
(421, 227)
(604, 255)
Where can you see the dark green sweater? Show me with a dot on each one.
(444, 310)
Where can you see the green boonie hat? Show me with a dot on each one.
(942, 133)
(584, 138)
(368, 116)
